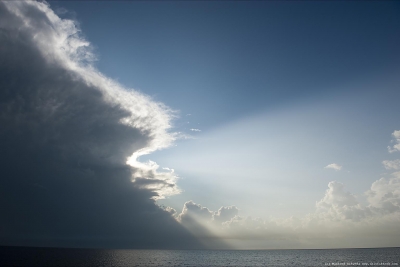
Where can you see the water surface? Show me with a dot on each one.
(21, 256)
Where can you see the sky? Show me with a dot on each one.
(240, 125)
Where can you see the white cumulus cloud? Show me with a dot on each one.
(336, 196)
(385, 194)
(334, 166)
(396, 146)
(391, 164)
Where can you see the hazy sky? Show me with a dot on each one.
(252, 124)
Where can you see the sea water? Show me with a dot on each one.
(14, 256)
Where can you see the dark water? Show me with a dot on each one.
(13, 256)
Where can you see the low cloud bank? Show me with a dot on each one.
(339, 220)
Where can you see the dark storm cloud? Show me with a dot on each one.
(66, 133)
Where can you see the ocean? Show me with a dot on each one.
(21, 256)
